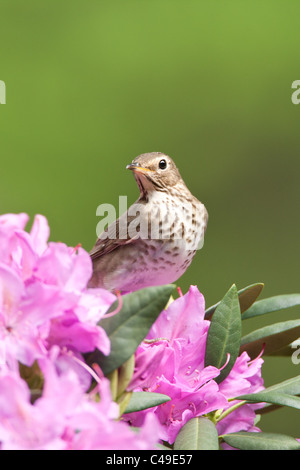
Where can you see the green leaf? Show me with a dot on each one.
(125, 373)
(224, 334)
(123, 401)
(272, 304)
(129, 327)
(113, 382)
(257, 419)
(290, 386)
(274, 337)
(261, 441)
(143, 400)
(247, 297)
(275, 398)
(197, 434)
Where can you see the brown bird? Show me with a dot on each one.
(154, 242)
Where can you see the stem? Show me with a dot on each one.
(231, 409)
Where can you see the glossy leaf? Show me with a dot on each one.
(272, 304)
(143, 400)
(197, 434)
(290, 386)
(247, 297)
(271, 337)
(261, 441)
(129, 327)
(224, 334)
(273, 397)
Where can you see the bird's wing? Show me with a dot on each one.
(115, 235)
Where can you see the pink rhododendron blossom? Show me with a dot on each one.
(43, 295)
(48, 315)
(171, 361)
(245, 377)
(22, 312)
(49, 319)
(64, 417)
(39, 234)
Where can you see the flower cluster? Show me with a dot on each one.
(172, 361)
(48, 319)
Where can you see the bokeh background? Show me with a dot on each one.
(91, 85)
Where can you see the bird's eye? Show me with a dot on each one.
(162, 164)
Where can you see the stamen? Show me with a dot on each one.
(155, 388)
(227, 360)
(42, 346)
(179, 292)
(170, 413)
(192, 406)
(76, 248)
(85, 366)
(260, 354)
(196, 378)
(98, 370)
(120, 305)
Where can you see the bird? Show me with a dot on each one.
(155, 240)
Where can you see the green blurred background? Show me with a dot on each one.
(92, 84)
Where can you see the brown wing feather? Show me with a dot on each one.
(111, 238)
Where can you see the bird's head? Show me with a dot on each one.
(155, 172)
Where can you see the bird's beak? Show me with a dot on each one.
(137, 168)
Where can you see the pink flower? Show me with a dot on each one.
(43, 295)
(245, 377)
(23, 310)
(13, 221)
(64, 417)
(171, 361)
(48, 315)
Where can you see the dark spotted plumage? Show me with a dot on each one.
(171, 222)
